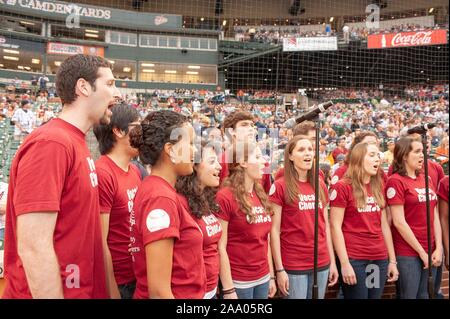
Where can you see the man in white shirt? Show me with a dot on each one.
(23, 119)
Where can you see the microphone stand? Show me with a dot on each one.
(315, 287)
(427, 194)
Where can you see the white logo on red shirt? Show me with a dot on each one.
(212, 225)
(157, 219)
(272, 190)
(422, 195)
(333, 194)
(390, 193)
(371, 206)
(92, 175)
(259, 216)
(306, 202)
(334, 180)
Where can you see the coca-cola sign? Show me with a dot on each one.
(406, 39)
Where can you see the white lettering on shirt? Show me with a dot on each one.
(92, 175)
(422, 195)
(212, 225)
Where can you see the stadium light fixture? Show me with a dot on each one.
(193, 67)
(170, 71)
(11, 58)
(27, 23)
(331, 19)
(148, 71)
(111, 61)
(126, 69)
(35, 61)
(224, 23)
(202, 19)
(1, 65)
(431, 10)
(192, 72)
(147, 64)
(90, 35)
(20, 67)
(57, 63)
(11, 51)
(27, 68)
(91, 31)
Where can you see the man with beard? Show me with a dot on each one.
(53, 243)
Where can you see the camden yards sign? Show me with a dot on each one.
(406, 39)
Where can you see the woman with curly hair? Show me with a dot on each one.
(167, 243)
(198, 195)
(246, 270)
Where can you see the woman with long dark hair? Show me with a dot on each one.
(406, 196)
(292, 234)
(198, 195)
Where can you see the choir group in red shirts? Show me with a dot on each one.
(208, 222)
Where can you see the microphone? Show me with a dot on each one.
(311, 115)
(421, 129)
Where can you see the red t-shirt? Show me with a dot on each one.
(361, 227)
(53, 172)
(117, 189)
(443, 189)
(338, 151)
(340, 173)
(212, 231)
(224, 172)
(247, 244)
(297, 227)
(161, 215)
(435, 171)
(410, 192)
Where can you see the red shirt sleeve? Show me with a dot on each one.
(276, 193)
(280, 173)
(339, 195)
(395, 192)
(443, 189)
(106, 189)
(41, 174)
(225, 201)
(162, 220)
(325, 191)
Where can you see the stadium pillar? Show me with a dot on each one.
(138, 71)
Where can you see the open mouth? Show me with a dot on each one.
(375, 167)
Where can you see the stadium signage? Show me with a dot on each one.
(91, 14)
(61, 8)
(310, 44)
(407, 39)
(72, 49)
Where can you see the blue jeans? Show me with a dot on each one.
(258, 292)
(127, 290)
(371, 277)
(413, 279)
(300, 286)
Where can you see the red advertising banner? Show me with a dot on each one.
(406, 39)
(72, 49)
